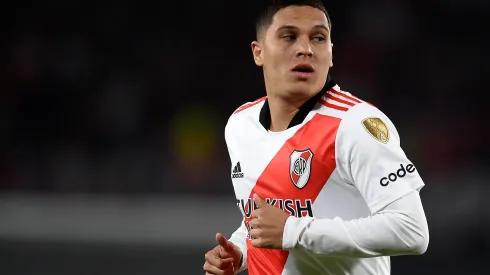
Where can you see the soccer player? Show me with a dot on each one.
(319, 174)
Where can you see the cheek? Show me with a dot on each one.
(276, 55)
(275, 63)
(326, 58)
(328, 51)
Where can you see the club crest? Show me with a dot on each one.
(300, 167)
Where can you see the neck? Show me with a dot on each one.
(279, 112)
(282, 112)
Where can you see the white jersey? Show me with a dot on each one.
(341, 159)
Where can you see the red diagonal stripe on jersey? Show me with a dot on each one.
(333, 106)
(245, 106)
(275, 182)
(345, 95)
(330, 96)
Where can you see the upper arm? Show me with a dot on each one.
(370, 157)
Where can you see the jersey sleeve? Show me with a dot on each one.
(369, 156)
(398, 229)
(239, 238)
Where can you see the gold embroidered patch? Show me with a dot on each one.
(377, 128)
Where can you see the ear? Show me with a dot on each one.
(331, 58)
(257, 53)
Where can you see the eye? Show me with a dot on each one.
(319, 38)
(289, 37)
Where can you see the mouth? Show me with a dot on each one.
(303, 70)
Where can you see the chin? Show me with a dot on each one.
(304, 88)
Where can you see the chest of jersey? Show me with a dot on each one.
(289, 169)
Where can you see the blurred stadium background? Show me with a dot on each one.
(112, 117)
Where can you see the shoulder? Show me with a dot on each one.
(363, 124)
(367, 121)
(359, 120)
(249, 105)
(245, 112)
(247, 109)
(339, 103)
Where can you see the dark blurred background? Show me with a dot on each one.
(112, 118)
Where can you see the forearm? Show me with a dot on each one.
(400, 229)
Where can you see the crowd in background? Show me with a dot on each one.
(127, 99)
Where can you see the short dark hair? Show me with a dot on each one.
(264, 19)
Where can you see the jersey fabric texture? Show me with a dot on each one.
(340, 158)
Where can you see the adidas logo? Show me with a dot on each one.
(237, 171)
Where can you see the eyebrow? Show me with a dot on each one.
(291, 27)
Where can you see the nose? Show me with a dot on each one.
(304, 48)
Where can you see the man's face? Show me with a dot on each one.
(295, 52)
